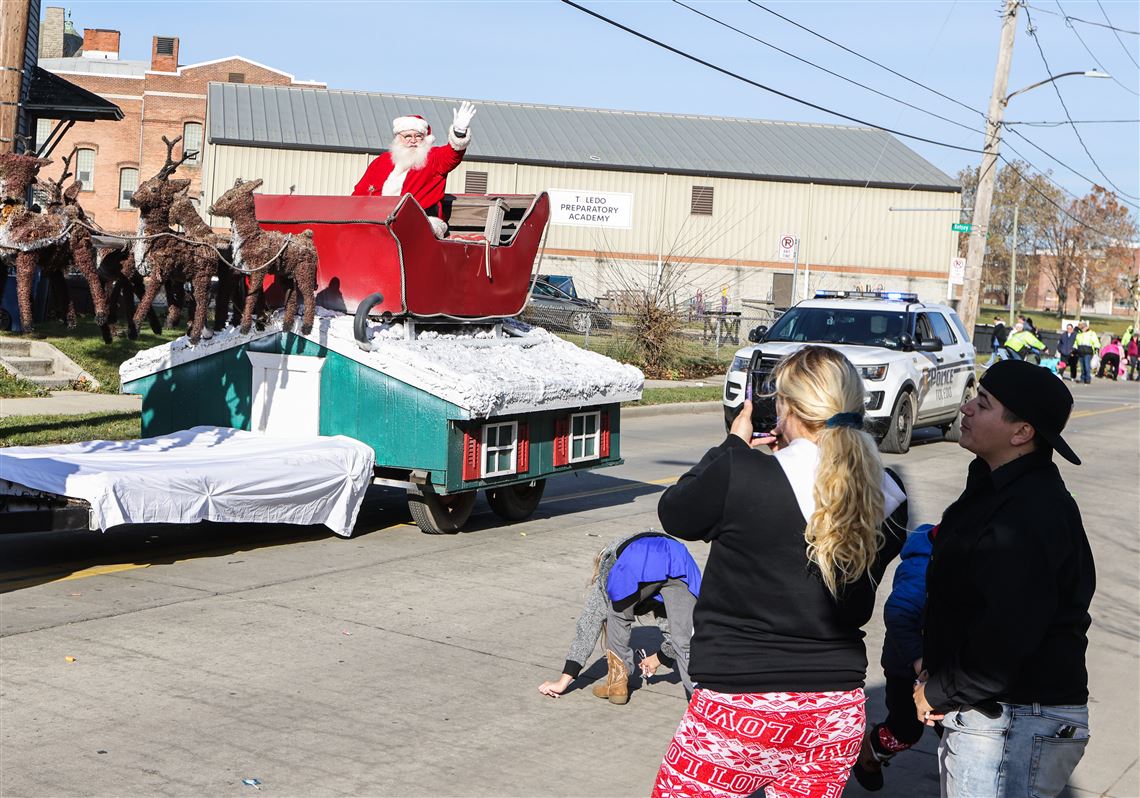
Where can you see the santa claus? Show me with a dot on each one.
(413, 166)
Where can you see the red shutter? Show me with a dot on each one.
(604, 444)
(471, 464)
(522, 449)
(562, 441)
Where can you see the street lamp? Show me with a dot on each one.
(975, 253)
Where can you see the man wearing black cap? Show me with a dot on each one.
(1008, 591)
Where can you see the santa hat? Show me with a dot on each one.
(412, 122)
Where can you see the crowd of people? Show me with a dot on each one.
(986, 620)
(1113, 357)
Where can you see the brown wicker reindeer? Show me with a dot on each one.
(165, 258)
(22, 229)
(184, 212)
(56, 260)
(257, 252)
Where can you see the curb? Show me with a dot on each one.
(676, 408)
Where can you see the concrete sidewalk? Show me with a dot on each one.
(67, 403)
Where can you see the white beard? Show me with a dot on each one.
(407, 158)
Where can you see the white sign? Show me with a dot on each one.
(586, 208)
(788, 246)
(957, 271)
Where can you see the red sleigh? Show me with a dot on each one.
(385, 245)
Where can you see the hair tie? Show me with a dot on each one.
(853, 420)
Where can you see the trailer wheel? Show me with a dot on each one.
(435, 514)
(516, 502)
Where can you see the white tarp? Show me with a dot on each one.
(204, 474)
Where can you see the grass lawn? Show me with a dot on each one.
(85, 346)
(47, 430)
(666, 396)
(12, 387)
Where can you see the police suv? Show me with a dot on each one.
(917, 360)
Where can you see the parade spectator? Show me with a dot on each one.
(1027, 322)
(997, 342)
(1067, 351)
(901, 661)
(1008, 590)
(648, 574)
(1022, 343)
(1087, 345)
(413, 166)
(1133, 354)
(1110, 358)
(799, 542)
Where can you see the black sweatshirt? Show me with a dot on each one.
(1008, 591)
(765, 621)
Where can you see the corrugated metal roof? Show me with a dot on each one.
(351, 121)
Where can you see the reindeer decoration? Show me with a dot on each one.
(56, 259)
(23, 229)
(257, 252)
(164, 258)
(184, 212)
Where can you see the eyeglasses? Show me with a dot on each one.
(411, 135)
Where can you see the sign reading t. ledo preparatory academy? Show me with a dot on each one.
(582, 208)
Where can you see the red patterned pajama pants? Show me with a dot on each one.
(794, 745)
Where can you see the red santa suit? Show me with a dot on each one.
(425, 183)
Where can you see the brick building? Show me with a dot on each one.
(158, 98)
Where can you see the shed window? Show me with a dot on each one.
(701, 201)
(236, 77)
(475, 183)
(85, 168)
(585, 436)
(128, 182)
(192, 142)
(499, 443)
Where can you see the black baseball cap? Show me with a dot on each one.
(1035, 395)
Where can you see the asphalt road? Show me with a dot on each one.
(179, 661)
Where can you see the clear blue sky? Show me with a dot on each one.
(547, 52)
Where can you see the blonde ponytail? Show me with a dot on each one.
(825, 392)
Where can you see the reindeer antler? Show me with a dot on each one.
(26, 141)
(66, 171)
(171, 165)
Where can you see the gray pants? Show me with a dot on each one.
(676, 626)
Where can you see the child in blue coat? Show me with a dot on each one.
(902, 661)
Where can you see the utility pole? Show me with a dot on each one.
(13, 36)
(976, 252)
(1013, 268)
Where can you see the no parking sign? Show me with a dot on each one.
(788, 245)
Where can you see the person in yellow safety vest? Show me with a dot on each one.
(1022, 343)
(1087, 343)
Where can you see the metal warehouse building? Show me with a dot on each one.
(630, 191)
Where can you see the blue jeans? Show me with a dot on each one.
(1029, 750)
(999, 353)
(1086, 369)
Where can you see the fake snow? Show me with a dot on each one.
(466, 365)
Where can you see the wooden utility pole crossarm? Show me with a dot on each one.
(976, 252)
(13, 37)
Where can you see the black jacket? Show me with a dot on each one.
(1008, 591)
(764, 621)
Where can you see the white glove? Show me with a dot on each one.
(461, 118)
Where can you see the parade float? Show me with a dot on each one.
(408, 357)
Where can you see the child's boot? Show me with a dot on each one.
(616, 688)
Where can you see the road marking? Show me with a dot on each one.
(1087, 413)
(100, 570)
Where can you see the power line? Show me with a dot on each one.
(1110, 26)
(1103, 68)
(1079, 122)
(759, 85)
(1076, 131)
(1127, 52)
(825, 69)
(866, 58)
(1054, 158)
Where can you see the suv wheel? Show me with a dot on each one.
(897, 439)
(953, 432)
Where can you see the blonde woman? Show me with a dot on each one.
(799, 543)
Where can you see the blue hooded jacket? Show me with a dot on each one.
(903, 610)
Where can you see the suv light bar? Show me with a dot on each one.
(897, 296)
